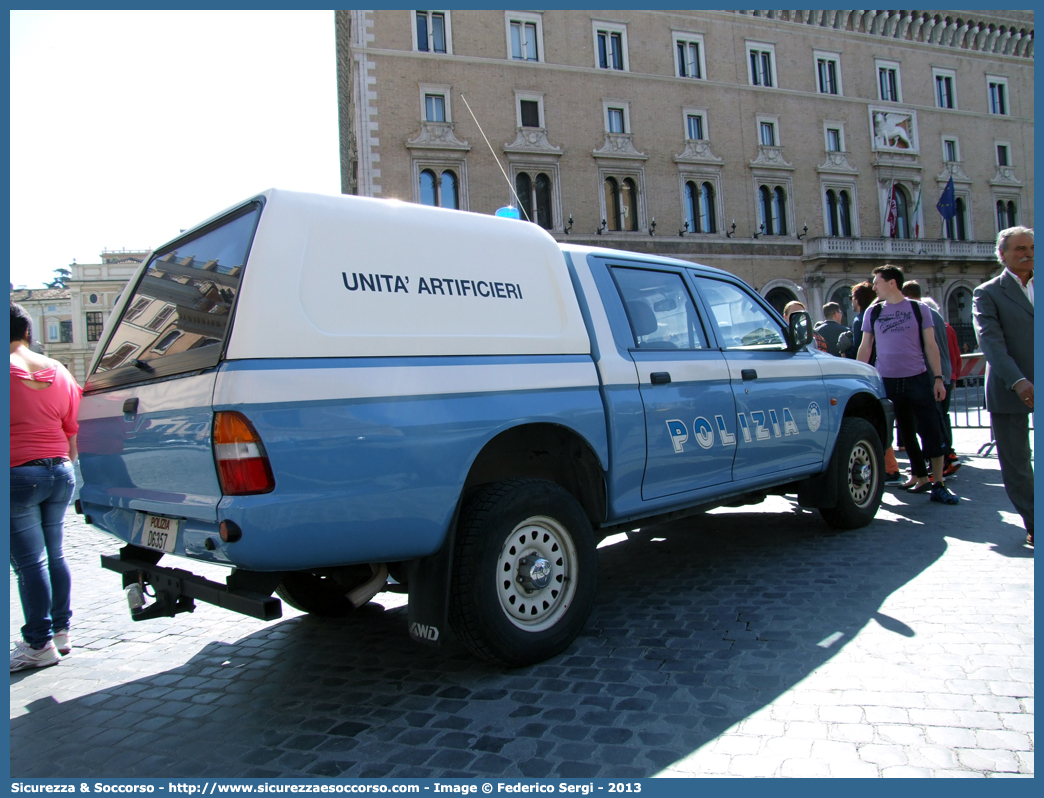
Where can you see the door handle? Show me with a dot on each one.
(660, 377)
(749, 374)
(131, 406)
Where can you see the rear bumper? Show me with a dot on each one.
(175, 590)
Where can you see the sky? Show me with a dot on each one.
(129, 126)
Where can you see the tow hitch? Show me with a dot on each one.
(175, 590)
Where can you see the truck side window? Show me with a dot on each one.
(659, 309)
(742, 323)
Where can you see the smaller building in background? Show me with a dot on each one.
(68, 322)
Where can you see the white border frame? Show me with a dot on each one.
(689, 37)
(1003, 80)
(827, 56)
(442, 89)
(996, 160)
(884, 63)
(839, 184)
(945, 137)
(610, 27)
(751, 44)
(831, 124)
(944, 72)
(772, 119)
(712, 176)
(533, 96)
(449, 31)
(700, 112)
(626, 106)
(524, 16)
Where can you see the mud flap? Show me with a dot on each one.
(427, 613)
(820, 490)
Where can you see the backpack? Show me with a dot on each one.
(875, 314)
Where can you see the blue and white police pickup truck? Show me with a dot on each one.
(335, 396)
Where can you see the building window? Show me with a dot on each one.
(610, 46)
(524, 36)
(534, 193)
(1007, 215)
(111, 361)
(694, 127)
(1002, 155)
(828, 73)
(621, 204)
(955, 228)
(773, 207)
(434, 108)
(616, 120)
(767, 134)
(839, 213)
(998, 94)
(52, 331)
(136, 309)
(95, 322)
(701, 216)
(164, 343)
(161, 318)
(944, 83)
(432, 31)
(902, 214)
(950, 151)
(833, 139)
(688, 53)
(888, 83)
(439, 189)
(529, 113)
(761, 60)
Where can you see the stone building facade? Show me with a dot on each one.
(766, 143)
(68, 322)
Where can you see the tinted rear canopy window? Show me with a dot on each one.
(178, 318)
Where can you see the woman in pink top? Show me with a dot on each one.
(44, 401)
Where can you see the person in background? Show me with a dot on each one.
(44, 402)
(833, 331)
(912, 290)
(1002, 312)
(908, 361)
(863, 296)
(794, 306)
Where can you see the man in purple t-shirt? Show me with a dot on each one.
(902, 349)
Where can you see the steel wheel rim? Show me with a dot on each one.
(529, 607)
(860, 487)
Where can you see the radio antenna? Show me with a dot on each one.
(495, 158)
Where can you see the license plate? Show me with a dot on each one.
(159, 533)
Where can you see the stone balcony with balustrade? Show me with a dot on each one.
(899, 250)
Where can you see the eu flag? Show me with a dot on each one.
(947, 204)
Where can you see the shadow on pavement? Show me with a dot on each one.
(698, 623)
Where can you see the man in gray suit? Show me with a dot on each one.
(1003, 317)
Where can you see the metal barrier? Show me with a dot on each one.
(968, 401)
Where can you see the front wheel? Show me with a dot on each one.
(524, 573)
(858, 458)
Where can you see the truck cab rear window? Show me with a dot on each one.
(178, 318)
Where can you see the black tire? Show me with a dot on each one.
(524, 572)
(859, 463)
(315, 594)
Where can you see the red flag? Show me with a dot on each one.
(892, 218)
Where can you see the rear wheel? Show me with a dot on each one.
(858, 458)
(524, 573)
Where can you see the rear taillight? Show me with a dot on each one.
(242, 463)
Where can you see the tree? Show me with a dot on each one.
(61, 275)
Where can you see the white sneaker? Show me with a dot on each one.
(61, 642)
(25, 656)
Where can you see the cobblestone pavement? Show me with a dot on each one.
(750, 642)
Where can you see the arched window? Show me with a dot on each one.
(833, 225)
(612, 204)
(902, 214)
(766, 209)
(542, 194)
(779, 297)
(779, 211)
(523, 187)
(708, 222)
(629, 203)
(1006, 216)
(845, 213)
(439, 190)
(448, 198)
(843, 297)
(427, 188)
(692, 205)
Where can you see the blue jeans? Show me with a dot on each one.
(39, 498)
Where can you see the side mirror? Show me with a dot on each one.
(800, 330)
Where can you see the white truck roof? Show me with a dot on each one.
(345, 276)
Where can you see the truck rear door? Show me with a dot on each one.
(146, 416)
